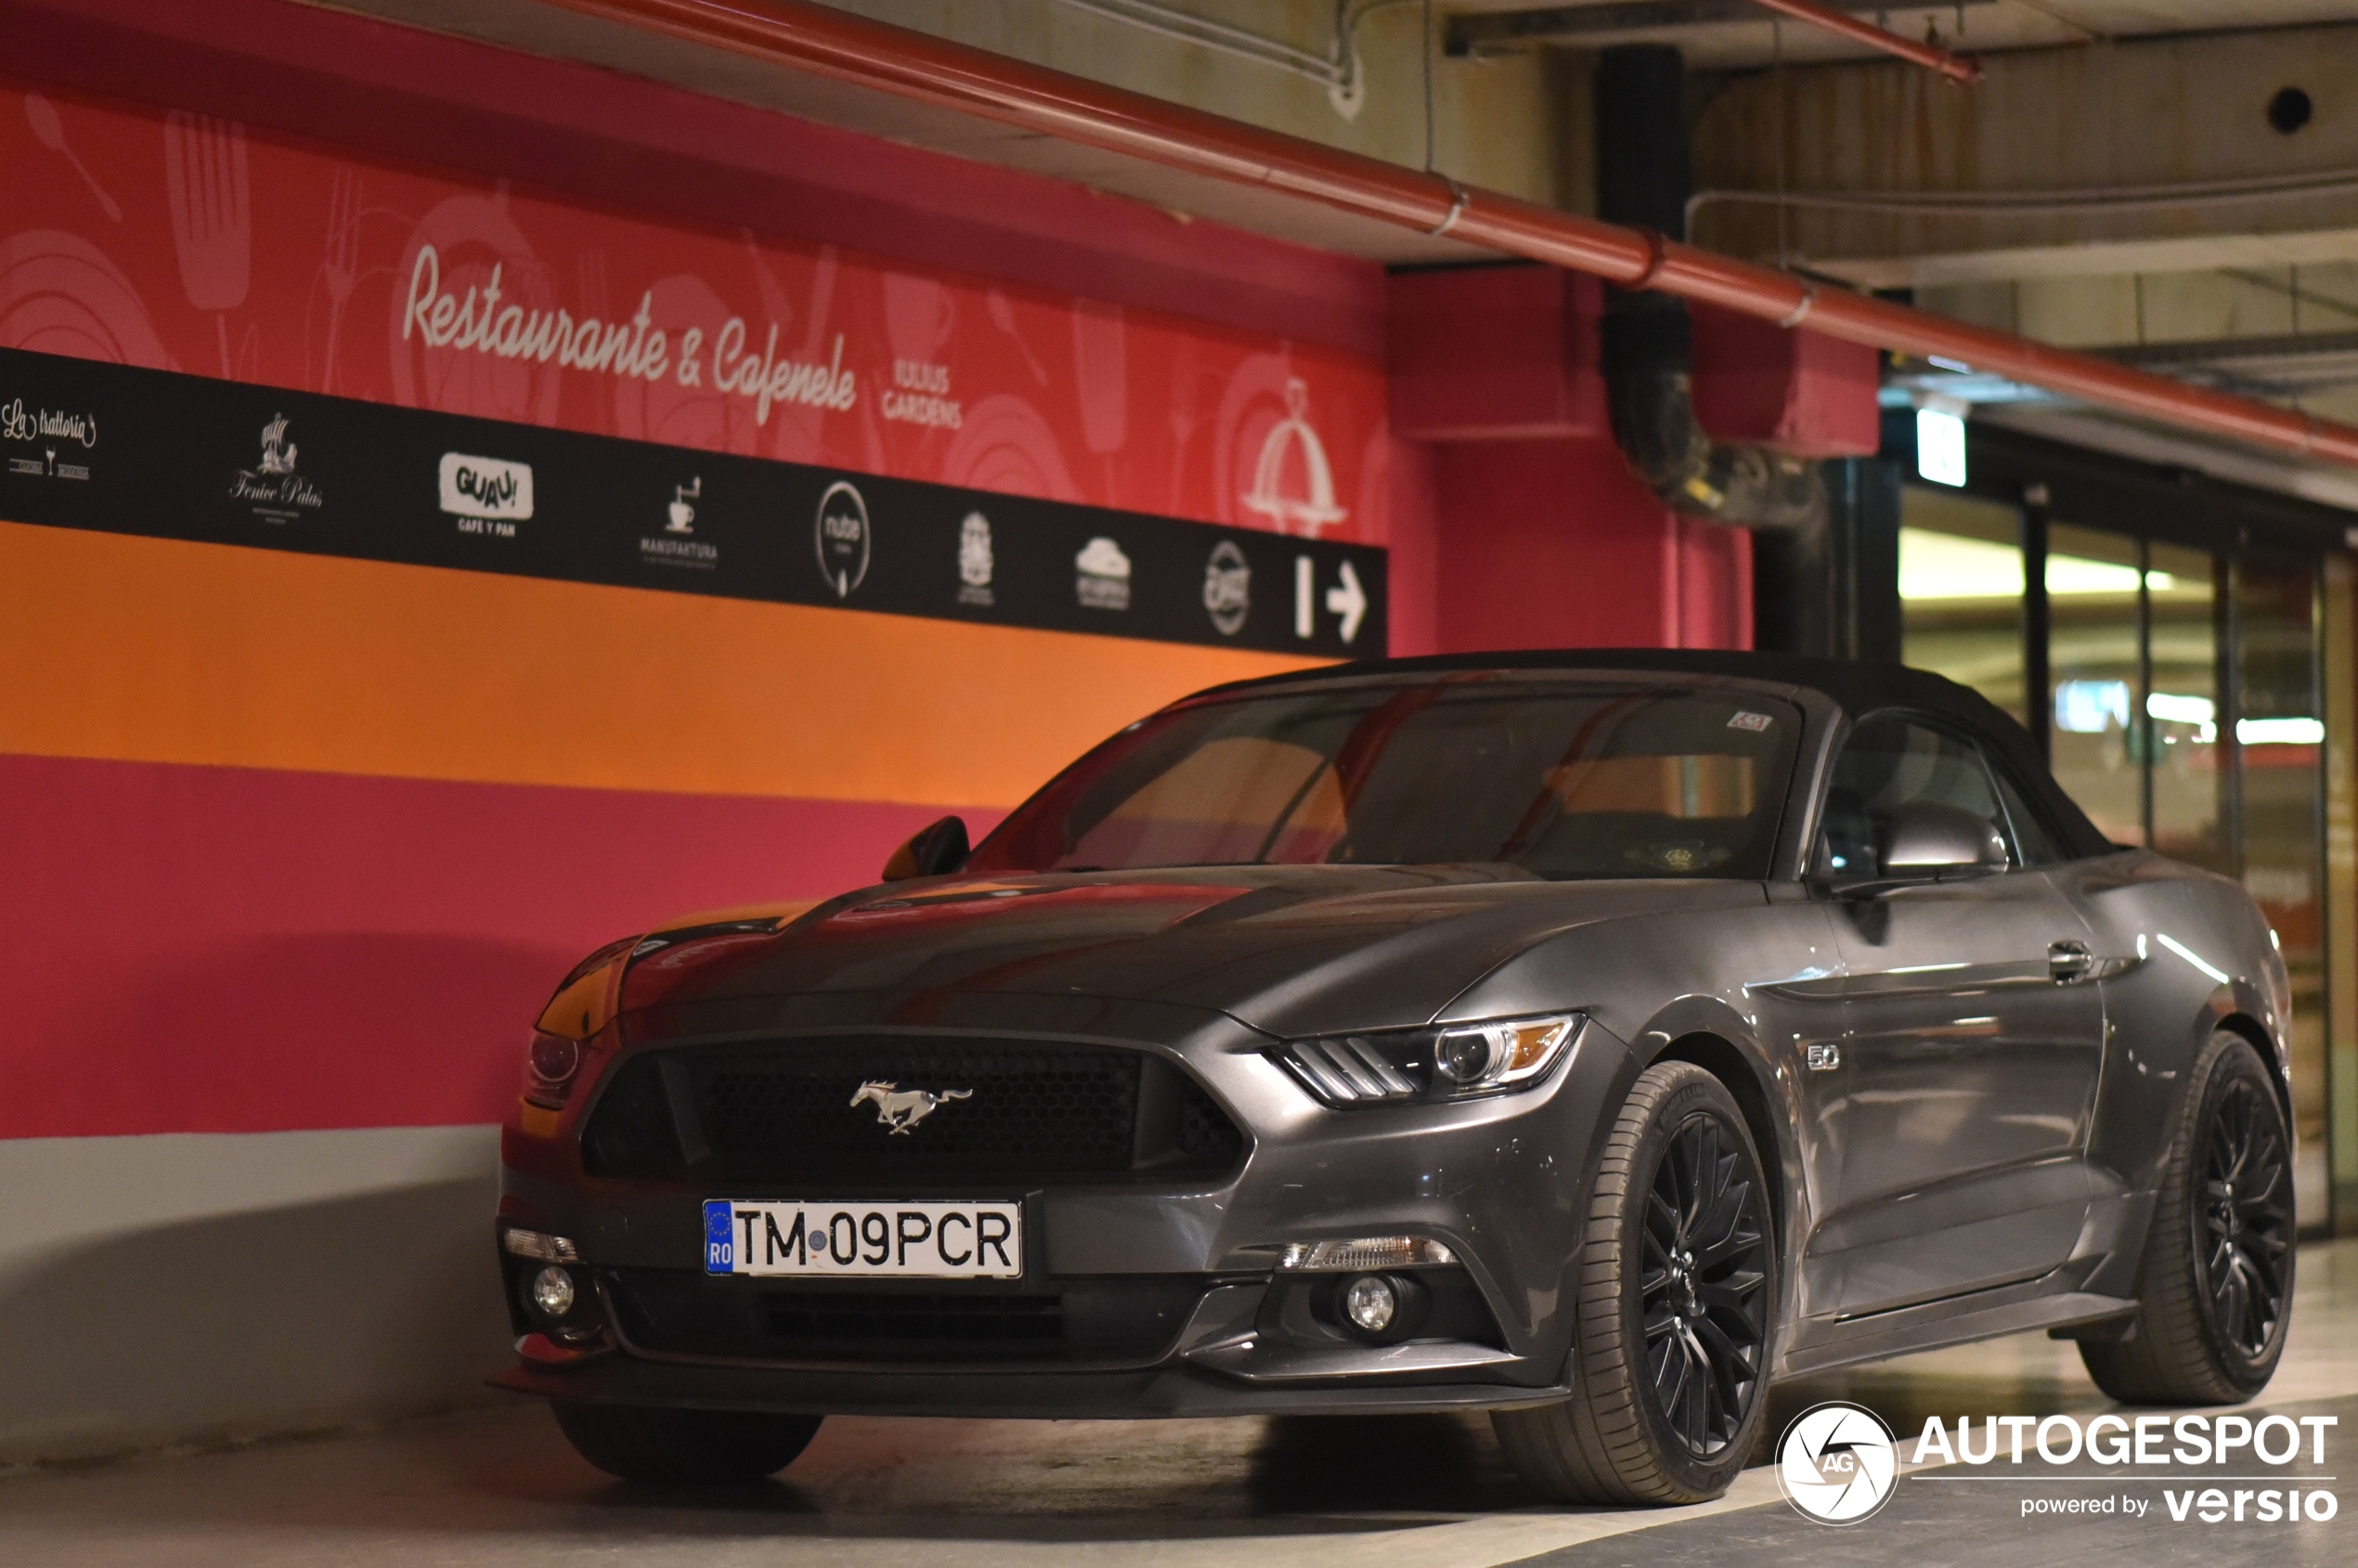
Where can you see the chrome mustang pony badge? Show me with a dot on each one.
(900, 1108)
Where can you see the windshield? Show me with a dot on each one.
(1564, 779)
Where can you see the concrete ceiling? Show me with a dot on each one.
(548, 29)
(1116, 52)
(2278, 371)
(554, 32)
(1975, 25)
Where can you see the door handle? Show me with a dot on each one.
(2069, 962)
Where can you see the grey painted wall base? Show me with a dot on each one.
(200, 1289)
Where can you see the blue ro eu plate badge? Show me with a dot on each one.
(720, 1237)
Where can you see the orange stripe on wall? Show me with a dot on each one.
(162, 650)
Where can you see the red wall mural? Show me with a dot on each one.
(296, 841)
(180, 242)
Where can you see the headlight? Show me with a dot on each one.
(584, 1004)
(550, 1065)
(1452, 1061)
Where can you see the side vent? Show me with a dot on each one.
(1346, 1071)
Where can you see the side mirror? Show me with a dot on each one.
(935, 850)
(1930, 842)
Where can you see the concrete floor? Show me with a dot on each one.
(500, 1489)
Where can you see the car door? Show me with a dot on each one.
(1953, 1118)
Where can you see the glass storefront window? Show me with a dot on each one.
(2095, 656)
(1961, 583)
(2280, 738)
(2186, 713)
(2189, 781)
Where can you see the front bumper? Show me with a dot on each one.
(1222, 1363)
(1501, 1182)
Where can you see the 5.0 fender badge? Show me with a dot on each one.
(899, 1109)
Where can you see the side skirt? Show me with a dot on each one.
(2054, 1301)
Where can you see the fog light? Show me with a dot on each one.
(552, 1293)
(1370, 1302)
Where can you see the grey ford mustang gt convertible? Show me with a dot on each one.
(1585, 1038)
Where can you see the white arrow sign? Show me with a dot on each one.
(1350, 601)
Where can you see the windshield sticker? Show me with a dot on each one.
(1753, 721)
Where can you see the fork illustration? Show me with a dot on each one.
(204, 168)
(338, 267)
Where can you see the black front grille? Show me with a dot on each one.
(794, 1111)
(670, 1312)
(1053, 1108)
(810, 1318)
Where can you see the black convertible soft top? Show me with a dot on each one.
(1854, 686)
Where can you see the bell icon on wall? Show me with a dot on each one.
(1307, 504)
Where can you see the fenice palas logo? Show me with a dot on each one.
(1837, 1464)
(277, 492)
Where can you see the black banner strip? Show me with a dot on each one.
(125, 450)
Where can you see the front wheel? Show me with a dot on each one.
(1677, 1286)
(2214, 1289)
(708, 1447)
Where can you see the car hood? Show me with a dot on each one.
(1286, 950)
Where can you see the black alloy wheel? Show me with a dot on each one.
(2246, 1220)
(2214, 1285)
(1705, 1246)
(1673, 1303)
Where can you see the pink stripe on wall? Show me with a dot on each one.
(233, 950)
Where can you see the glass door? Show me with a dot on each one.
(2188, 777)
(1961, 583)
(2280, 745)
(2097, 654)
(2185, 712)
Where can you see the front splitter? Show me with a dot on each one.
(1158, 1392)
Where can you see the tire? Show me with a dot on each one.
(2214, 1288)
(1647, 1423)
(653, 1444)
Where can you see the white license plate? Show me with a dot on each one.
(914, 1240)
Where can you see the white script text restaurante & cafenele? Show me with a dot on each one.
(635, 347)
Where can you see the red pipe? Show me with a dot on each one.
(848, 49)
(1962, 69)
